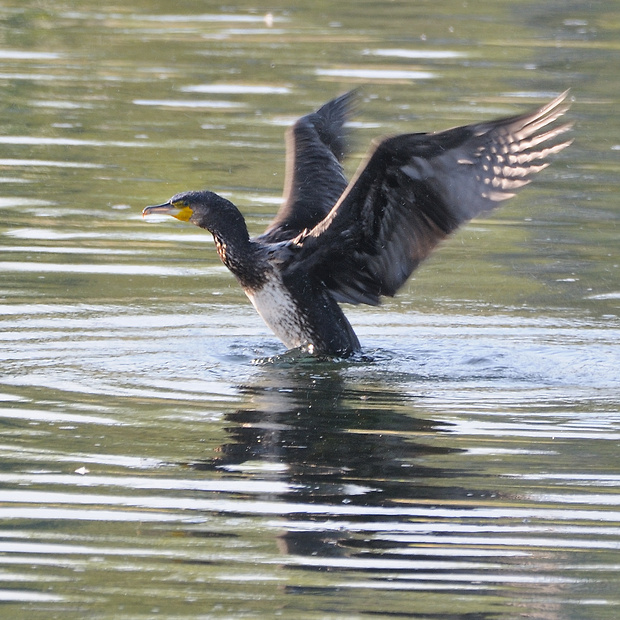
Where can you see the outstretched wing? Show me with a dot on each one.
(414, 190)
(315, 146)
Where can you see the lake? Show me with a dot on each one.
(160, 453)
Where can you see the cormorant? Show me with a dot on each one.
(333, 241)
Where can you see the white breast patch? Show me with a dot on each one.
(277, 308)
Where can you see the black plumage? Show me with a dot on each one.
(334, 241)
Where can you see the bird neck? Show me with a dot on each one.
(223, 220)
(244, 259)
(233, 243)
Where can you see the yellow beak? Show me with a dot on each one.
(180, 211)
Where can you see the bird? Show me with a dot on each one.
(335, 241)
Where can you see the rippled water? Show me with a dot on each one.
(160, 453)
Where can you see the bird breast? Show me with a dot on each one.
(278, 309)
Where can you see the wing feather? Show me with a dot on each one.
(415, 189)
(314, 179)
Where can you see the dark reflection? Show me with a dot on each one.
(341, 443)
(338, 441)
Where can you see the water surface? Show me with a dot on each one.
(160, 453)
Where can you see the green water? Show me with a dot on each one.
(152, 466)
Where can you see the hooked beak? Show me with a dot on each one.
(162, 209)
(181, 212)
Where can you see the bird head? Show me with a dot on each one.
(206, 210)
(186, 206)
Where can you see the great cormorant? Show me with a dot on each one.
(333, 241)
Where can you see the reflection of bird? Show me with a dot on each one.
(336, 242)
